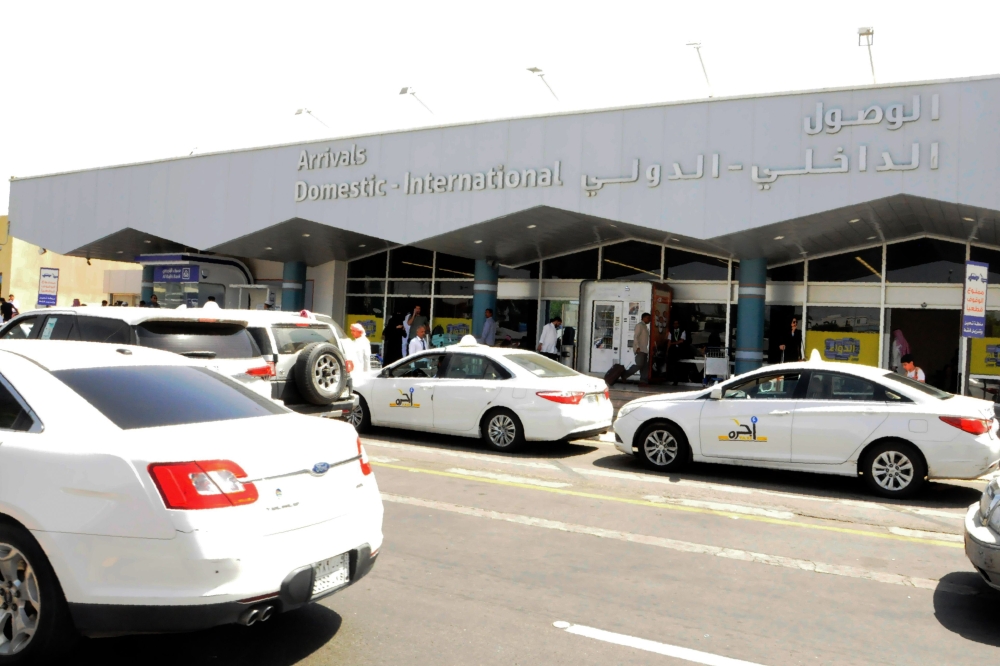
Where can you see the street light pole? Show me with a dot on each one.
(541, 75)
(868, 35)
(697, 47)
(299, 112)
(413, 93)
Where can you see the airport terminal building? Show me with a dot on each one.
(853, 210)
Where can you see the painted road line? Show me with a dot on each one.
(495, 476)
(719, 506)
(677, 652)
(460, 454)
(382, 459)
(673, 507)
(923, 534)
(686, 546)
(632, 476)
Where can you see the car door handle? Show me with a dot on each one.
(780, 412)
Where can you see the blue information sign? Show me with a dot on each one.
(182, 273)
(974, 312)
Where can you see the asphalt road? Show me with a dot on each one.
(574, 554)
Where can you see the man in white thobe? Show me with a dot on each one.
(489, 336)
(550, 338)
(362, 351)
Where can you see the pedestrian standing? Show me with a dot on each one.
(415, 321)
(211, 304)
(393, 339)
(640, 345)
(489, 337)
(548, 341)
(912, 370)
(900, 348)
(791, 349)
(104, 304)
(362, 349)
(419, 341)
(6, 310)
(17, 304)
(153, 302)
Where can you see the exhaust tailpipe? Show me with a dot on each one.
(250, 617)
(265, 613)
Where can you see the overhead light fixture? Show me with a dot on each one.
(541, 75)
(779, 237)
(267, 248)
(361, 245)
(674, 240)
(969, 219)
(853, 221)
(88, 261)
(532, 226)
(147, 242)
(413, 93)
(872, 237)
(119, 251)
(305, 235)
(477, 242)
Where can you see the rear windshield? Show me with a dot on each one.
(259, 336)
(198, 339)
(293, 337)
(165, 395)
(540, 366)
(914, 384)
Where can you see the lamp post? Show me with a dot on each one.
(299, 112)
(866, 37)
(697, 47)
(413, 94)
(541, 75)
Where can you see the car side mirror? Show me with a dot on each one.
(716, 393)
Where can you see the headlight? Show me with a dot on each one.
(628, 409)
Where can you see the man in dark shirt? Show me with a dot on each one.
(6, 309)
(153, 302)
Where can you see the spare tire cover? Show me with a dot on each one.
(320, 373)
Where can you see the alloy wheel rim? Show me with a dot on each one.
(892, 470)
(660, 447)
(502, 430)
(357, 415)
(20, 601)
(327, 372)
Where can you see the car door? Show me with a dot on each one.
(469, 384)
(404, 396)
(59, 327)
(753, 420)
(835, 415)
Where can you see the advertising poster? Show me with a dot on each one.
(974, 312)
(659, 329)
(844, 346)
(48, 286)
(371, 323)
(452, 330)
(984, 356)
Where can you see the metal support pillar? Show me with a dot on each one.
(750, 321)
(146, 293)
(293, 285)
(484, 294)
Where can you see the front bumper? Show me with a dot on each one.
(982, 547)
(295, 592)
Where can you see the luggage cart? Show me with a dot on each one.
(716, 365)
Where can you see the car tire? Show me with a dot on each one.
(893, 468)
(501, 430)
(320, 373)
(663, 447)
(360, 417)
(40, 630)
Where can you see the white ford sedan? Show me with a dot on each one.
(505, 396)
(830, 418)
(140, 492)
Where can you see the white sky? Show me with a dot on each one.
(93, 84)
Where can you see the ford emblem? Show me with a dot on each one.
(321, 468)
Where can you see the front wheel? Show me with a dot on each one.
(663, 447)
(502, 430)
(360, 417)
(34, 620)
(893, 469)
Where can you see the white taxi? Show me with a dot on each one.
(831, 418)
(505, 396)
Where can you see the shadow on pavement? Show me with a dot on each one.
(282, 641)
(971, 616)
(935, 495)
(451, 443)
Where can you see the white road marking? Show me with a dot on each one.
(507, 477)
(632, 476)
(720, 506)
(936, 512)
(923, 534)
(461, 454)
(383, 459)
(687, 654)
(688, 547)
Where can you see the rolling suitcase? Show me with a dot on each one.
(614, 374)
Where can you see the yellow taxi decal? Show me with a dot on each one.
(743, 432)
(405, 400)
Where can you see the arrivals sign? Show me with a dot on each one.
(48, 286)
(182, 273)
(974, 313)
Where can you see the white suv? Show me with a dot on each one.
(216, 339)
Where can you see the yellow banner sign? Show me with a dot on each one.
(843, 347)
(985, 356)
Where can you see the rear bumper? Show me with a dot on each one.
(336, 410)
(295, 592)
(587, 434)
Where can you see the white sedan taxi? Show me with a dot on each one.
(505, 396)
(141, 492)
(832, 418)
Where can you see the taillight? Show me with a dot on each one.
(366, 467)
(264, 371)
(562, 397)
(971, 426)
(349, 365)
(205, 484)
(607, 394)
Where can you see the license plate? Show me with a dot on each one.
(331, 573)
(594, 397)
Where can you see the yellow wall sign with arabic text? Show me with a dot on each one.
(984, 356)
(842, 347)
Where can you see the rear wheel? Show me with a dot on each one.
(360, 417)
(320, 373)
(502, 430)
(662, 446)
(893, 468)
(34, 621)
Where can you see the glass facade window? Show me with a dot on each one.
(683, 265)
(836, 318)
(576, 266)
(365, 286)
(790, 273)
(453, 288)
(987, 256)
(858, 266)
(925, 260)
(526, 272)
(517, 323)
(704, 323)
(417, 288)
(452, 320)
(631, 260)
(449, 267)
(368, 267)
(411, 262)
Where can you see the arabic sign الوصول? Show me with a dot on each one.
(182, 273)
(977, 275)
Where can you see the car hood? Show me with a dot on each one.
(670, 397)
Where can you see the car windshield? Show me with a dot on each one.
(540, 366)
(292, 338)
(914, 384)
(198, 339)
(151, 396)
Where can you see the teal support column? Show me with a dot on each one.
(484, 294)
(146, 293)
(750, 320)
(293, 285)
